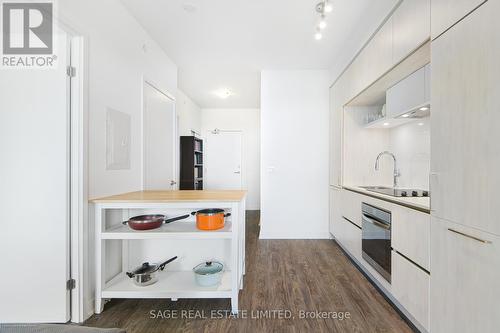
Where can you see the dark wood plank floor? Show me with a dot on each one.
(294, 275)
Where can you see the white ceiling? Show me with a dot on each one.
(226, 43)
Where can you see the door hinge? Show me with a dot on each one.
(71, 71)
(71, 284)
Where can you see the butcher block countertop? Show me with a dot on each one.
(174, 196)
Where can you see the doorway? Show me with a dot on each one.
(159, 164)
(223, 156)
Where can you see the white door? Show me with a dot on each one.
(34, 192)
(159, 140)
(223, 161)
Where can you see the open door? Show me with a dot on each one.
(159, 140)
(35, 192)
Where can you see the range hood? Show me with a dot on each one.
(420, 112)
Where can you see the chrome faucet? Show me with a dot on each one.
(396, 173)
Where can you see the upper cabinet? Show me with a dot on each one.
(372, 62)
(411, 27)
(465, 126)
(409, 94)
(402, 33)
(445, 13)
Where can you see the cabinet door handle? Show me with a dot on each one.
(469, 236)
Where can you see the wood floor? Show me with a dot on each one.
(293, 275)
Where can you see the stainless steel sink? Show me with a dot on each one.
(397, 192)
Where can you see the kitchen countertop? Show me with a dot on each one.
(422, 204)
(174, 196)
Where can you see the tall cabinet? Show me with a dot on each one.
(465, 164)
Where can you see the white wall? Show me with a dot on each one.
(188, 113)
(248, 121)
(119, 55)
(361, 147)
(411, 144)
(294, 151)
(117, 64)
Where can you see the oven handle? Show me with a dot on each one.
(377, 223)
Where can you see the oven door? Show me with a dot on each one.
(376, 245)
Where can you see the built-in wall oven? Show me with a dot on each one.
(376, 243)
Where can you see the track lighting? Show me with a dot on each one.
(328, 7)
(322, 8)
(322, 23)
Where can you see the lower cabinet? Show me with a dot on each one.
(411, 233)
(350, 237)
(465, 279)
(351, 206)
(410, 286)
(335, 214)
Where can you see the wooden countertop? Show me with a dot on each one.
(174, 196)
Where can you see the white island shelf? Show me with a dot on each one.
(172, 284)
(180, 230)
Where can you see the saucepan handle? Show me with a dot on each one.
(162, 266)
(176, 218)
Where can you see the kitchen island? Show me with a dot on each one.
(119, 249)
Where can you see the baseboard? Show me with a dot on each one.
(303, 235)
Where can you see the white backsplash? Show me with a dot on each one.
(411, 144)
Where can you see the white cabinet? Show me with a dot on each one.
(408, 94)
(410, 286)
(465, 279)
(373, 61)
(411, 27)
(335, 214)
(351, 206)
(350, 238)
(428, 82)
(445, 13)
(411, 232)
(465, 122)
(336, 135)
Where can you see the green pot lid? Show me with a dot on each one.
(208, 268)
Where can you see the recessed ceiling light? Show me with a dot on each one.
(224, 93)
(420, 124)
(405, 115)
(386, 124)
(425, 108)
(318, 35)
(189, 7)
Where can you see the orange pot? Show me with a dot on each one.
(210, 219)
